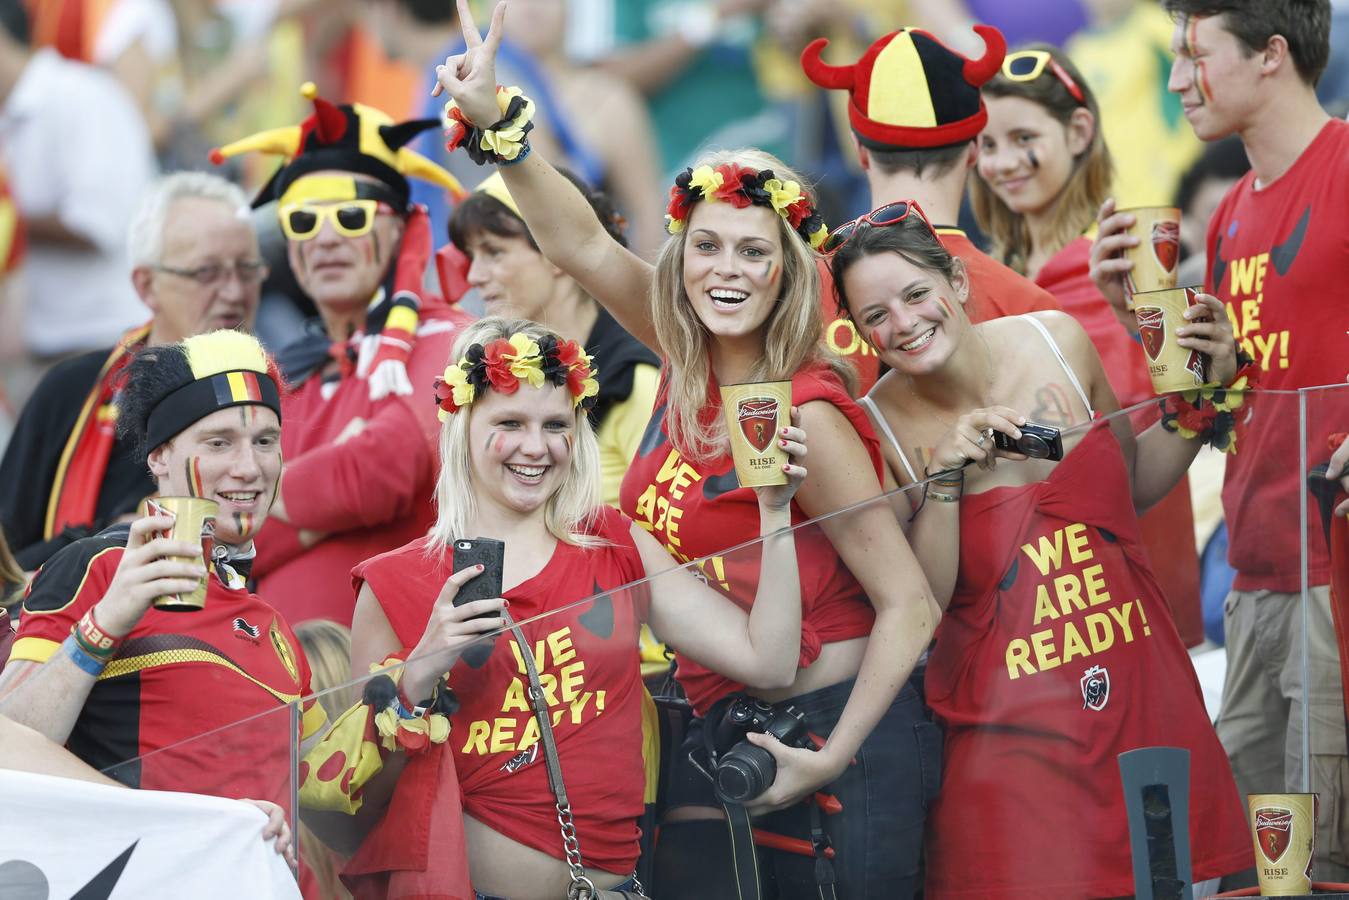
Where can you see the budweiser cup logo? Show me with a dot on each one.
(1274, 832)
(1152, 330)
(1166, 244)
(758, 418)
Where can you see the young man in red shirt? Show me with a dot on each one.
(126, 686)
(1276, 251)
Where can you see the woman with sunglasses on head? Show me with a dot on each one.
(1055, 652)
(733, 298)
(520, 465)
(1043, 171)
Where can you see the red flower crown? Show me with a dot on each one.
(741, 187)
(504, 363)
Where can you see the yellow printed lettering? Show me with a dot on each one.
(1261, 263)
(578, 706)
(672, 525)
(515, 698)
(1094, 578)
(477, 737)
(1018, 657)
(548, 681)
(1265, 349)
(1043, 644)
(646, 505)
(1243, 276)
(1073, 645)
(572, 679)
(1047, 556)
(560, 643)
(1078, 548)
(1099, 632)
(503, 735)
(1121, 615)
(1043, 608)
(1250, 316)
(1068, 588)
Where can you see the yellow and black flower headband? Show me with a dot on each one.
(503, 364)
(741, 187)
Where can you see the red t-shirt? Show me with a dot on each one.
(995, 291)
(587, 660)
(178, 676)
(1277, 257)
(369, 493)
(697, 511)
(1053, 657)
(1168, 528)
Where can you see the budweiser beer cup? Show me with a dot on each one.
(193, 521)
(1172, 367)
(1284, 829)
(756, 413)
(1158, 251)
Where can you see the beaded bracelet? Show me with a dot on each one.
(503, 143)
(89, 664)
(1209, 412)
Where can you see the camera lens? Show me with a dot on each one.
(745, 772)
(1032, 446)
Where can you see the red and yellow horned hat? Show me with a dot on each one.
(909, 90)
(349, 138)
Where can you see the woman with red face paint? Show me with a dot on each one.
(1043, 171)
(733, 297)
(1055, 653)
(520, 464)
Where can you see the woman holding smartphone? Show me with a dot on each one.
(520, 465)
(1056, 652)
(733, 297)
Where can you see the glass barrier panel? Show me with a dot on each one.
(1316, 716)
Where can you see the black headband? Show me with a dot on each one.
(198, 399)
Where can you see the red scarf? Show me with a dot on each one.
(84, 460)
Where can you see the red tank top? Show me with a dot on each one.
(586, 657)
(1056, 655)
(698, 510)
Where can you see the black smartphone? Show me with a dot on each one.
(491, 555)
(1037, 442)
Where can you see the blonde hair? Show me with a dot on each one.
(327, 647)
(795, 325)
(1088, 183)
(568, 513)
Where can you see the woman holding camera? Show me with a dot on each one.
(733, 298)
(519, 464)
(1056, 652)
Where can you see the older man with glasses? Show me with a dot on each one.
(196, 265)
(361, 465)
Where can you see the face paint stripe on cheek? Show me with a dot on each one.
(947, 311)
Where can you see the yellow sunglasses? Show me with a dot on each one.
(1028, 65)
(349, 218)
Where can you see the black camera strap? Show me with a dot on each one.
(582, 888)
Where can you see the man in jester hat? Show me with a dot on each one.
(128, 687)
(361, 466)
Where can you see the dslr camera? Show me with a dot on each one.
(745, 771)
(1036, 441)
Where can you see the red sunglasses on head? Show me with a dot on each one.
(880, 217)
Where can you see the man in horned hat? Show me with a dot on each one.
(915, 112)
(361, 463)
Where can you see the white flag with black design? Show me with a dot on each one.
(70, 838)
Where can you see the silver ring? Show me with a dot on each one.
(983, 439)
